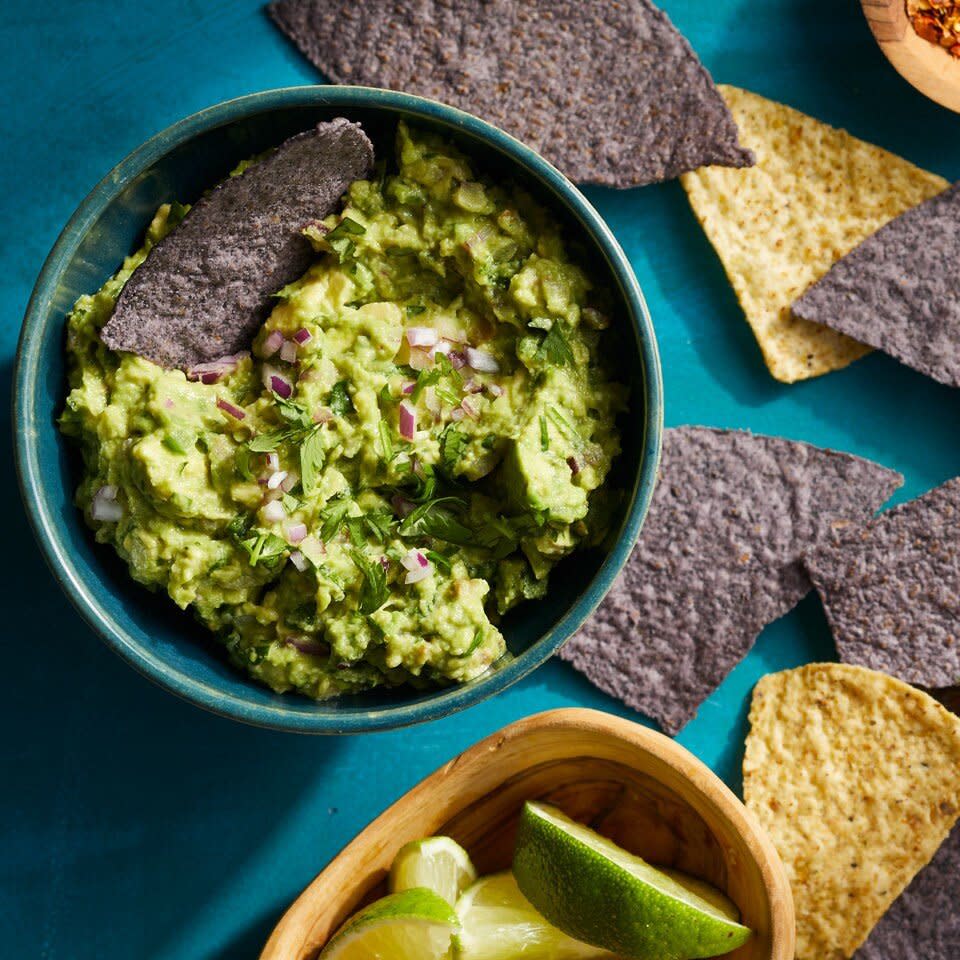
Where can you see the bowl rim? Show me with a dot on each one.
(710, 792)
(84, 594)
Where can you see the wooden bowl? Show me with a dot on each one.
(928, 67)
(636, 786)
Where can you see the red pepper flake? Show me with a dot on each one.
(937, 21)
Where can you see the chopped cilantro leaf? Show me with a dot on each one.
(453, 443)
(295, 413)
(434, 519)
(267, 442)
(564, 425)
(347, 227)
(555, 348)
(425, 378)
(338, 399)
(448, 396)
(385, 441)
(313, 455)
(332, 517)
(377, 525)
(373, 593)
(415, 309)
(355, 530)
(173, 444)
(544, 435)
(477, 640)
(264, 548)
(446, 368)
(439, 560)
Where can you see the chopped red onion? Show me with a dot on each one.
(468, 407)
(482, 361)
(298, 560)
(457, 414)
(288, 352)
(418, 567)
(472, 386)
(413, 559)
(289, 481)
(385, 563)
(168, 403)
(296, 532)
(421, 336)
(230, 409)
(280, 387)
(272, 344)
(302, 336)
(211, 372)
(495, 390)
(273, 461)
(273, 512)
(443, 346)
(322, 415)
(104, 506)
(308, 644)
(408, 421)
(573, 465)
(408, 387)
(276, 479)
(478, 238)
(458, 359)
(402, 506)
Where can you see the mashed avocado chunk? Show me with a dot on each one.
(416, 438)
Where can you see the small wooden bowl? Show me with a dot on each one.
(636, 786)
(928, 67)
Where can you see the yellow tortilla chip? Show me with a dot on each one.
(856, 777)
(814, 194)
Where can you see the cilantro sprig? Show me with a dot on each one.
(374, 592)
(436, 519)
(555, 347)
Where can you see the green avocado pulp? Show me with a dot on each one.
(420, 434)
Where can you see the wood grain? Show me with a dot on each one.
(636, 786)
(926, 66)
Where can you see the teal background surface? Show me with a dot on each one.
(132, 824)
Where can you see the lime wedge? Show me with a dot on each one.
(596, 892)
(437, 863)
(497, 922)
(413, 925)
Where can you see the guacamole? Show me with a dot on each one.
(418, 434)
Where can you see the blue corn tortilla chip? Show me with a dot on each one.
(205, 289)
(891, 589)
(611, 93)
(924, 921)
(718, 559)
(899, 290)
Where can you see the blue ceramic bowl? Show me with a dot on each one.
(146, 629)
